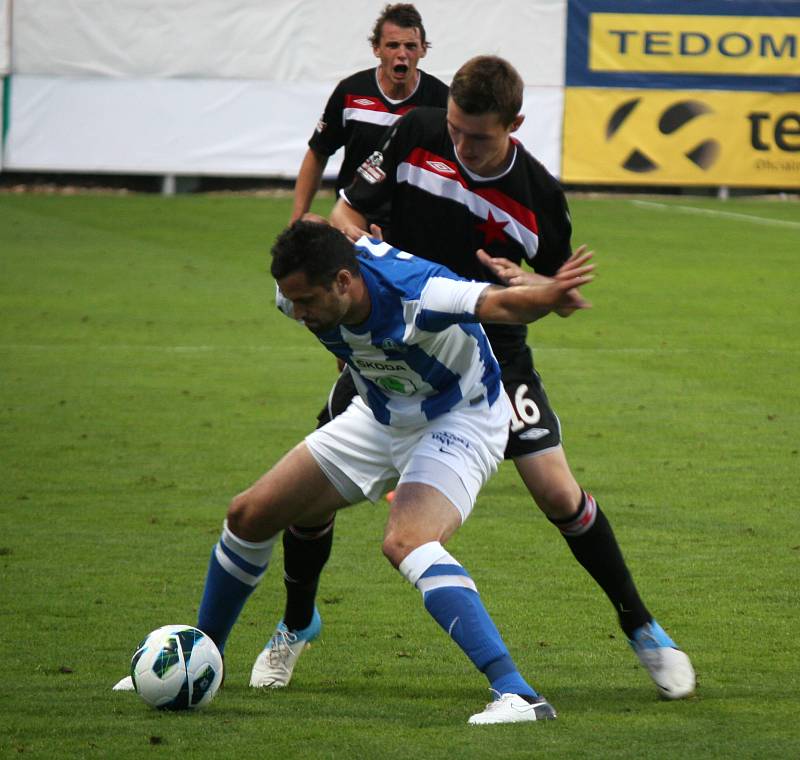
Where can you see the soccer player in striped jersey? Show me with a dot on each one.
(430, 415)
(364, 104)
(358, 112)
(459, 182)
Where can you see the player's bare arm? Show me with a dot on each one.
(521, 304)
(511, 273)
(507, 271)
(308, 181)
(345, 218)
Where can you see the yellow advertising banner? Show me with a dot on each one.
(677, 137)
(694, 44)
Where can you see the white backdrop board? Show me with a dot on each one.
(5, 62)
(200, 87)
(5, 37)
(275, 40)
(176, 126)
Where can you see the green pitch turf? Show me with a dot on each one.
(147, 377)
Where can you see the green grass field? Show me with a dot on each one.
(147, 377)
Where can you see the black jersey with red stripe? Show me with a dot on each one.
(443, 212)
(358, 113)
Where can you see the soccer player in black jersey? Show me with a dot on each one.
(358, 112)
(363, 105)
(458, 182)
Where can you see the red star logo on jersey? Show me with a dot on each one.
(492, 230)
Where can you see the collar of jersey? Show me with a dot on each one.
(477, 177)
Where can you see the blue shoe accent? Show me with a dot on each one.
(669, 667)
(310, 633)
(274, 666)
(651, 636)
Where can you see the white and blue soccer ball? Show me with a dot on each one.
(177, 667)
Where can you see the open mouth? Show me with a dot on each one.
(400, 69)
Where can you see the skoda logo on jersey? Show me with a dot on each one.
(364, 102)
(441, 167)
(384, 366)
(399, 385)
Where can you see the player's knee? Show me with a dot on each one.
(559, 500)
(397, 546)
(245, 517)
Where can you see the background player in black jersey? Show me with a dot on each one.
(457, 181)
(358, 112)
(363, 105)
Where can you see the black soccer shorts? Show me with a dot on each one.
(534, 425)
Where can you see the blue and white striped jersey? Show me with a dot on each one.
(421, 352)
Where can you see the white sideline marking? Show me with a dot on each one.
(714, 212)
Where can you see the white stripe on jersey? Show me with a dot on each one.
(439, 295)
(383, 118)
(375, 247)
(453, 190)
(449, 353)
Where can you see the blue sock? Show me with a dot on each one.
(452, 599)
(234, 570)
(223, 600)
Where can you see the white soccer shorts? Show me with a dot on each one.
(456, 453)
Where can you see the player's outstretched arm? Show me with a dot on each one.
(511, 273)
(345, 218)
(520, 304)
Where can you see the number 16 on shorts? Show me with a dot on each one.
(524, 410)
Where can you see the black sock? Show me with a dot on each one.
(305, 552)
(592, 542)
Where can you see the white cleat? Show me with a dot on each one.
(511, 708)
(125, 684)
(669, 667)
(273, 668)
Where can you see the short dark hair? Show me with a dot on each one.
(404, 15)
(488, 84)
(317, 250)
